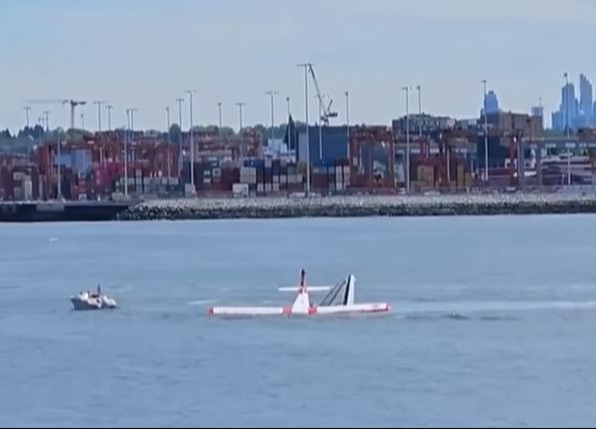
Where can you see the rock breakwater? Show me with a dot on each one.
(361, 206)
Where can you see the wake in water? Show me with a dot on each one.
(466, 311)
(202, 302)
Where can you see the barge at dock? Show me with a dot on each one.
(56, 211)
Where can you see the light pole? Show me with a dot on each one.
(486, 169)
(419, 88)
(27, 110)
(169, 142)
(240, 105)
(272, 95)
(59, 166)
(180, 157)
(306, 66)
(568, 127)
(348, 125)
(190, 93)
(98, 103)
(288, 127)
(219, 116)
(131, 111)
(109, 108)
(407, 91)
(46, 119)
(83, 121)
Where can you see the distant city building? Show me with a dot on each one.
(425, 123)
(469, 124)
(491, 103)
(586, 102)
(516, 122)
(538, 112)
(568, 117)
(558, 123)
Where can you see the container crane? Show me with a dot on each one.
(326, 111)
(73, 106)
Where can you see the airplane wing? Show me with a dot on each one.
(309, 288)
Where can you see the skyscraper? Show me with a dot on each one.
(491, 103)
(586, 102)
(568, 110)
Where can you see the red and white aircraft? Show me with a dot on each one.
(339, 300)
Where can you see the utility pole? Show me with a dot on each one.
(306, 66)
(272, 95)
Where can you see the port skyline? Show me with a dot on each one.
(240, 56)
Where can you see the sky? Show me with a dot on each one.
(146, 53)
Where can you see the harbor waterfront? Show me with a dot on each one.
(271, 208)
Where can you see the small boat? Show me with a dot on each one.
(93, 301)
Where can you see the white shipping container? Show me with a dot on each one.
(299, 178)
(260, 187)
(276, 187)
(207, 180)
(276, 180)
(268, 163)
(283, 180)
(240, 189)
(268, 187)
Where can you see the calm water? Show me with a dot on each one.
(494, 324)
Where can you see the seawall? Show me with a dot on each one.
(22, 212)
(361, 206)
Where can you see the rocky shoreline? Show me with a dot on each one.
(361, 206)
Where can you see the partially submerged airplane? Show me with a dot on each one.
(339, 300)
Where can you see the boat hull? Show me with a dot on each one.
(90, 305)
